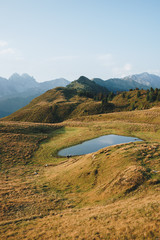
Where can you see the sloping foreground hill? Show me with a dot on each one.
(62, 103)
(110, 194)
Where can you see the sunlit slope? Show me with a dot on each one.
(150, 116)
(136, 100)
(59, 104)
(113, 192)
(110, 194)
(56, 105)
(62, 103)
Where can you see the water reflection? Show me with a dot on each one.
(96, 144)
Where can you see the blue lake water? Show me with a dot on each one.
(95, 144)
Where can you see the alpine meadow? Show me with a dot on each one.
(102, 62)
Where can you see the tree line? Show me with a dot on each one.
(97, 97)
(153, 95)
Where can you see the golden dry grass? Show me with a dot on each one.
(110, 194)
(131, 219)
(59, 104)
(18, 142)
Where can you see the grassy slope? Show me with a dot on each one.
(111, 194)
(84, 84)
(130, 101)
(59, 104)
(56, 105)
(18, 142)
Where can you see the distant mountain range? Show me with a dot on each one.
(118, 84)
(19, 90)
(149, 80)
(24, 83)
(141, 81)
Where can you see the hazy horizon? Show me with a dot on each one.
(73, 79)
(58, 38)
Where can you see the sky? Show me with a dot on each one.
(50, 39)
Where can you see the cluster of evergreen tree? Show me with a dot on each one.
(85, 94)
(97, 97)
(104, 97)
(153, 95)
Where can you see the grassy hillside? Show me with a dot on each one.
(57, 105)
(135, 99)
(84, 84)
(18, 142)
(110, 194)
(60, 104)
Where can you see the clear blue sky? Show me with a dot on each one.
(49, 39)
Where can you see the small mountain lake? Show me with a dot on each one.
(95, 144)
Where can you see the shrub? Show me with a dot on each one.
(138, 94)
